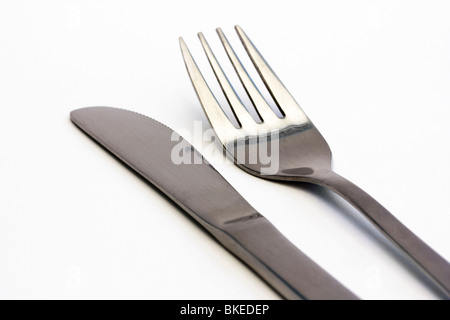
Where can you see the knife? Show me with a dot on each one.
(146, 146)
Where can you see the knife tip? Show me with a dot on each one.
(79, 114)
(75, 114)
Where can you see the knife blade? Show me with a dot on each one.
(146, 146)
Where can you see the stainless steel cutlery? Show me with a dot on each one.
(284, 148)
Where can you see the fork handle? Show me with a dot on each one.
(436, 267)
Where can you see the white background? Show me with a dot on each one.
(374, 76)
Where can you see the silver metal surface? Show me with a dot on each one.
(146, 146)
(304, 155)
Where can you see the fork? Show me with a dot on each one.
(303, 154)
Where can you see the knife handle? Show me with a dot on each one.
(275, 259)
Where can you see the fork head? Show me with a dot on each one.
(272, 147)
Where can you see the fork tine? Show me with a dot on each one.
(219, 121)
(280, 94)
(262, 107)
(239, 111)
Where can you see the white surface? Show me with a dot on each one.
(74, 223)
